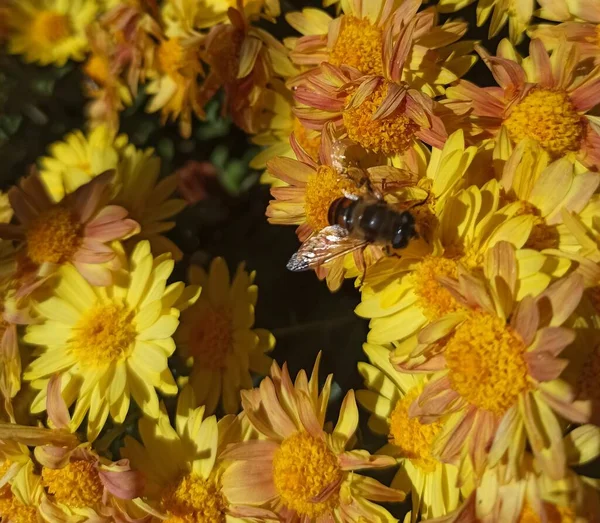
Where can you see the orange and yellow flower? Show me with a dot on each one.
(299, 470)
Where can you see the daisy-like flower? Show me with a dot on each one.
(390, 393)
(300, 471)
(242, 59)
(496, 380)
(360, 38)
(535, 497)
(76, 230)
(49, 32)
(518, 15)
(184, 475)
(136, 187)
(21, 492)
(543, 99)
(275, 138)
(108, 344)
(310, 189)
(216, 338)
(546, 190)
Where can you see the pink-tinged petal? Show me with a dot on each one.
(485, 425)
(475, 293)
(249, 483)
(552, 340)
(328, 143)
(88, 197)
(53, 457)
(565, 59)
(440, 328)
(506, 432)
(394, 97)
(117, 230)
(361, 459)
(123, 484)
(578, 411)
(525, 319)
(326, 493)
(541, 63)
(300, 153)
(58, 413)
(316, 100)
(24, 210)
(400, 52)
(444, 403)
(278, 418)
(481, 98)
(363, 91)
(32, 285)
(416, 112)
(11, 232)
(586, 95)
(94, 274)
(509, 75)
(372, 490)
(84, 255)
(559, 300)
(109, 214)
(246, 511)
(256, 450)
(289, 170)
(304, 231)
(543, 366)
(35, 191)
(308, 417)
(450, 442)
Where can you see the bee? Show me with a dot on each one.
(355, 221)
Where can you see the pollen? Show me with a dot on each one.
(211, 337)
(76, 485)
(486, 364)
(434, 299)
(554, 513)
(413, 438)
(303, 468)
(308, 139)
(588, 386)
(391, 135)
(103, 334)
(174, 58)
(54, 236)
(359, 44)
(322, 189)
(50, 27)
(549, 117)
(193, 499)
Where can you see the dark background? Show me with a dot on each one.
(39, 105)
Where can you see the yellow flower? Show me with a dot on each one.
(495, 364)
(79, 158)
(49, 32)
(298, 470)
(109, 344)
(217, 340)
(433, 483)
(22, 493)
(182, 467)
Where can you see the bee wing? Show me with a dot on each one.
(329, 243)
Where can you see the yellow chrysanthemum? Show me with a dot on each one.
(109, 344)
(217, 340)
(181, 466)
(79, 158)
(433, 483)
(50, 32)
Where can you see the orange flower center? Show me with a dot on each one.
(391, 135)
(174, 58)
(486, 364)
(104, 334)
(98, 69)
(413, 438)
(434, 299)
(77, 485)
(54, 236)
(549, 117)
(322, 189)
(50, 27)
(211, 337)
(193, 499)
(303, 468)
(554, 513)
(309, 140)
(359, 44)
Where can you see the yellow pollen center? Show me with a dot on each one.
(50, 27)
(211, 337)
(303, 470)
(413, 438)
(98, 69)
(391, 135)
(309, 140)
(359, 44)
(77, 485)
(193, 499)
(104, 334)
(54, 236)
(486, 364)
(174, 58)
(322, 189)
(434, 299)
(549, 117)
(554, 513)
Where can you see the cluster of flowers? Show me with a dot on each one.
(483, 418)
